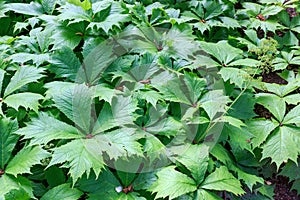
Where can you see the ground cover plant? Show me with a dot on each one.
(188, 100)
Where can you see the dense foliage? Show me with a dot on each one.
(148, 99)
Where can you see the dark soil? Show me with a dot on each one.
(272, 77)
(262, 112)
(282, 189)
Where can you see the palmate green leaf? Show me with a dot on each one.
(224, 156)
(64, 191)
(119, 113)
(115, 17)
(45, 128)
(33, 8)
(73, 13)
(222, 51)
(23, 76)
(74, 100)
(221, 179)
(172, 184)
(65, 63)
(8, 140)
(26, 100)
(25, 159)
(282, 145)
(79, 160)
(10, 184)
(261, 129)
(105, 92)
(273, 103)
(196, 166)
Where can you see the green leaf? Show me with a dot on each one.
(37, 59)
(214, 102)
(273, 103)
(79, 160)
(293, 116)
(65, 63)
(45, 128)
(49, 5)
(243, 108)
(222, 51)
(74, 100)
(118, 143)
(85, 4)
(197, 166)
(177, 184)
(25, 159)
(73, 13)
(282, 145)
(237, 76)
(33, 8)
(221, 179)
(8, 140)
(26, 100)
(56, 180)
(23, 76)
(10, 183)
(64, 191)
(261, 129)
(206, 195)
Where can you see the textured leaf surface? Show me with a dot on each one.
(8, 140)
(26, 100)
(79, 160)
(45, 128)
(63, 191)
(178, 184)
(25, 159)
(282, 145)
(24, 75)
(221, 179)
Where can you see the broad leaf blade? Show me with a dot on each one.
(26, 100)
(221, 179)
(23, 76)
(45, 128)
(25, 159)
(8, 140)
(63, 191)
(177, 184)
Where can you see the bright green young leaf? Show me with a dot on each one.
(25, 159)
(221, 179)
(177, 184)
(85, 4)
(206, 195)
(64, 191)
(45, 128)
(23, 76)
(8, 140)
(79, 160)
(26, 100)
(282, 145)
